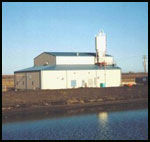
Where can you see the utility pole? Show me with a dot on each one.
(144, 63)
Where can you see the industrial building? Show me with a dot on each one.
(62, 70)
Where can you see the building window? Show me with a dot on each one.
(73, 83)
(23, 82)
(17, 82)
(32, 82)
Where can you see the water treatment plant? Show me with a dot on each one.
(62, 70)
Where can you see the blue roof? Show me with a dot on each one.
(66, 67)
(72, 53)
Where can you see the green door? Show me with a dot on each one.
(102, 85)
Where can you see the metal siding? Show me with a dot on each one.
(108, 60)
(15, 81)
(40, 79)
(80, 76)
(53, 79)
(112, 77)
(26, 81)
(62, 79)
(63, 60)
(91, 78)
(20, 78)
(43, 58)
(33, 76)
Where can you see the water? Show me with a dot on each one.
(122, 125)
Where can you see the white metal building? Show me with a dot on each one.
(62, 70)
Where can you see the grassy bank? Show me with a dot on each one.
(59, 112)
(30, 100)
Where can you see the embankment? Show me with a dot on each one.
(57, 101)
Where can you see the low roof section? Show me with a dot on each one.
(67, 67)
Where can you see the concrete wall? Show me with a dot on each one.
(43, 58)
(27, 80)
(61, 60)
(79, 78)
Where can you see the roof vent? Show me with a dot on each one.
(46, 63)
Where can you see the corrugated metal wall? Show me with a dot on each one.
(44, 58)
(27, 80)
(80, 78)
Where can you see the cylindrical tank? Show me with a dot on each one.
(100, 45)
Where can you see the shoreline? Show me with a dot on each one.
(60, 102)
(72, 110)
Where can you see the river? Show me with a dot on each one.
(116, 125)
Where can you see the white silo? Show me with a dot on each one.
(100, 45)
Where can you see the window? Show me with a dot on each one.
(23, 82)
(73, 83)
(32, 82)
(17, 82)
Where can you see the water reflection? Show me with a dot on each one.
(103, 118)
(104, 128)
(124, 125)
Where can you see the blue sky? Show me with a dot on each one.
(29, 29)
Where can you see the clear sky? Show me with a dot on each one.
(29, 29)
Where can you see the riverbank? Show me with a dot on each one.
(60, 101)
(59, 112)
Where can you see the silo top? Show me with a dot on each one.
(101, 33)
